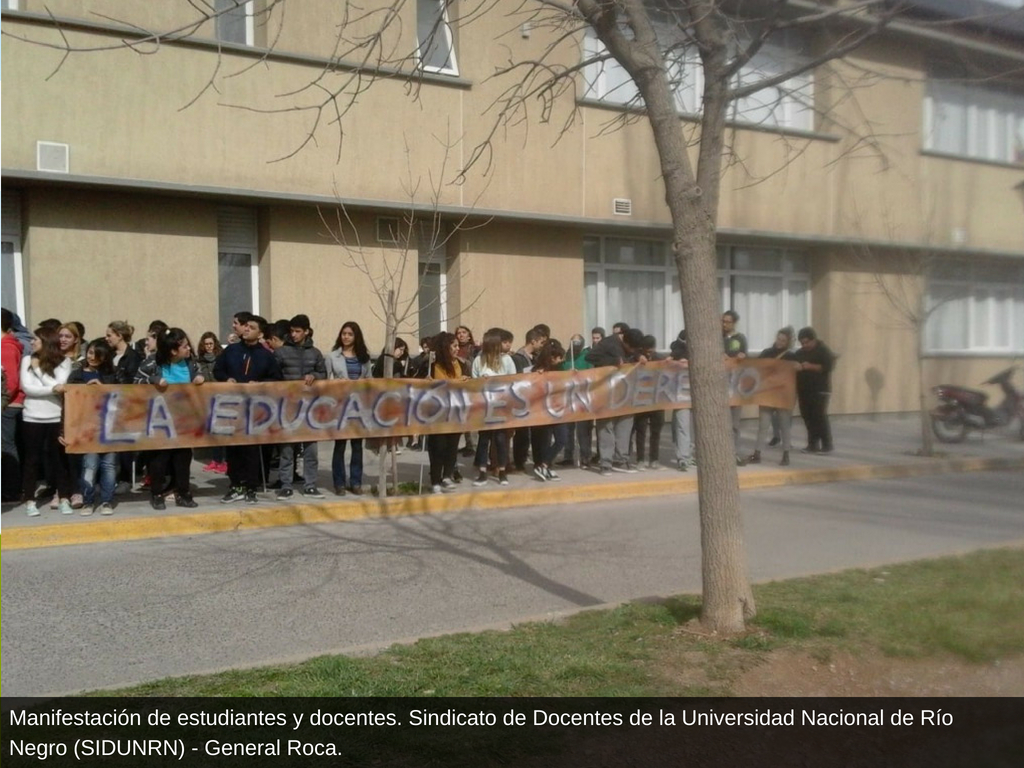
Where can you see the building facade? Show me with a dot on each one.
(252, 161)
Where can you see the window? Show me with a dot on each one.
(11, 277)
(768, 287)
(234, 21)
(237, 265)
(969, 120)
(636, 281)
(434, 36)
(788, 105)
(9, 5)
(433, 287)
(976, 308)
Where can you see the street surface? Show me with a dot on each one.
(111, 614)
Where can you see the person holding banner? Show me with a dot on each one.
(245, 362)
(349, 359)
(172, 363)
(492, 362)
(443, 449)
(780, 350)
(736, 347)
(549, 439)
(43, 376)
(613, 434)
(300, 361)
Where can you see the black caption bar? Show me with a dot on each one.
(778, 732)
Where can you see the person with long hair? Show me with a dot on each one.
(768, 417)
(126, 362)
(70, 341)
(349, 359)
(548, 439)
(206, 355)
(98, 368)
(43, 376)
(443, 449)
(172, 363)
(468, 350)
(492, 361)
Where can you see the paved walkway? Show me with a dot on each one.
(865, 448)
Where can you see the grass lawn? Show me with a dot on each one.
(968, 608)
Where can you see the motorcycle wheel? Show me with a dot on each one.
(950, 427)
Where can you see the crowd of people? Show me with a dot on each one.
(39, 366)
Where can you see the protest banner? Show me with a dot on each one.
(138, 417)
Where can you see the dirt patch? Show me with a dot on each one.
(795, 673)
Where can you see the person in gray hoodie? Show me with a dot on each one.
(299, 360)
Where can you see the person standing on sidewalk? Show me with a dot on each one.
(613, 433)
(682, 432)
(736, 348)
(766, 417)
(443, 449)
(246, 362)
(648, 425)
(580, 433)
(299, 360)
(492, 362)
(12, 352)
(813, 389)
(350, 359)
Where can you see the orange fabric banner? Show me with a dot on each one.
(137, 417)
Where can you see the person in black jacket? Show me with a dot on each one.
(245, 362)
(299, 360)
(813, 389)
(780, 350)
(682, 424)
(736, 347)
(613, 434)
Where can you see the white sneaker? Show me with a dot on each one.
(86, 511)
(435, 489)
(550, 475)
(65, 507)
(641, 467)
(653, 466)
(31, 509)
(448, 486)
(106, 509)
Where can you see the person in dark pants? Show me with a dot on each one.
(171, 364)
(813, 389)
(245, 362)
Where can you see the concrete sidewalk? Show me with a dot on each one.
(865, 449)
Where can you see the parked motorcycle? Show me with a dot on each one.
(961, 409)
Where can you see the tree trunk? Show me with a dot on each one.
(693, 204)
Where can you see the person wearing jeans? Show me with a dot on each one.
(103, 466)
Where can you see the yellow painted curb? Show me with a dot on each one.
(249, 519)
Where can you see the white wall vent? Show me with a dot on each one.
(388, 229)
(53, 157)
(622, 206)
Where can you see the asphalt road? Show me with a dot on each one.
(101, 615)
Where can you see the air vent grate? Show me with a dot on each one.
(52, 157)
(622, 206)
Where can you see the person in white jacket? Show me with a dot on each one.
(43, 376)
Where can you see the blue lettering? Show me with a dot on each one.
(109, 411)
(159, 418)
(257, 403)
(354, 409)
(495, 402)
(377, 404)
(225, 408)
(290, 425)
(312, 420)
(520, 394)
(549, 403)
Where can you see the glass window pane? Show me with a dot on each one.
(10, 292)
(434, 35)
(759, 303)
(798, 262)
(234, 288)
(231, 21)
(637, 298)
(674, 313)
(590, 318)
(757, 260)
(797, 314)
(591, 250)
(647, 253)
(430, 299)
(947, 325)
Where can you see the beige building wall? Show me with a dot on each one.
(515, 277)
(98, 258)
(865, 177)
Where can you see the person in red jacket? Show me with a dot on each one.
(11, 352)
